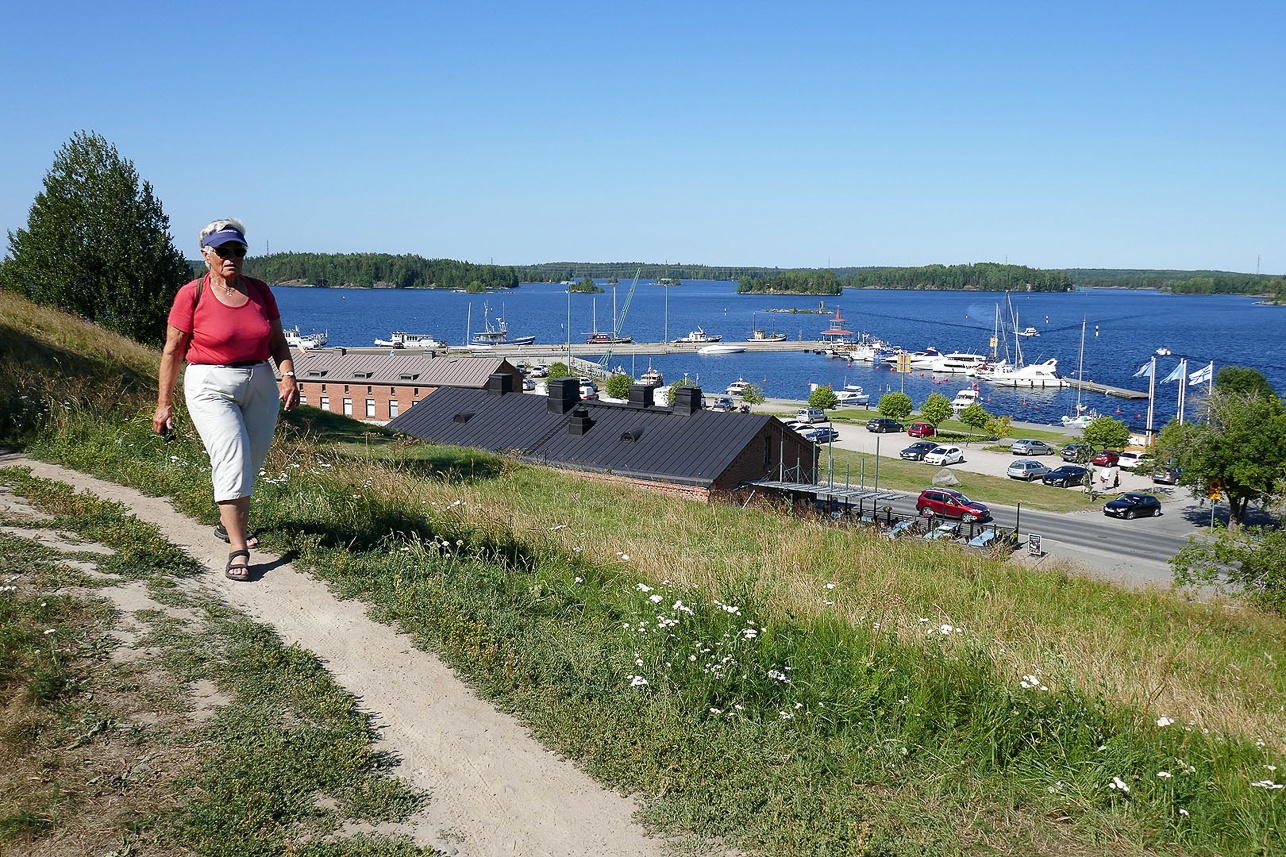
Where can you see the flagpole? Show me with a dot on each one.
(1152, 388)
(1183, 385)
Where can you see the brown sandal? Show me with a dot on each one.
(238, 571)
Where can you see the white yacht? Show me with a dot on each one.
(402, 339)
(852, 394)
(919, 359)
(957, 363)
(698, 336)
(737, 387)
(1032, 375)
(304, 341)
(964, 399)
(652, 377)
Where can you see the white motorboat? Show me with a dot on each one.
(737, 387)
(652, 377)
(1084, 416)
(852, 394)
(402, 339)
(964, 399)
(498, 335)
(1044, 375)
(304, 341)
(720, 349)
(919, 359)
(698, 336)
(957, 363)
(1027, 331)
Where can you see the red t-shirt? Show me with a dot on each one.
(224, 334)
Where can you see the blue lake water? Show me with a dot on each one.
(1124, 328)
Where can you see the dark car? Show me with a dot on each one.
(1167, 474)
(1066, 476)
(1106, 458)
(916, 451)
(879, 424)
(1132, 506)
(821, 434)
(920, 430)
(950, 504)
(1074, 451)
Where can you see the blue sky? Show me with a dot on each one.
(1122, 134)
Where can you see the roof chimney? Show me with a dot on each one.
(687, 400)
(564, 393)
(641, 395)
(500, 383)
(580, 421)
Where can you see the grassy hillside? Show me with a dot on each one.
(767, 678)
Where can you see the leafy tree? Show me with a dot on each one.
(618, 386)
(753, 395)
(97, 244)
(975, 416)
(1252, 560)
(1240, 442)
(475, 287)
(685, 381)
(1106, 433)
(895, 406)
(558, 369)
(1243, 379)
(936, 409)
(997, 428)
(824, 398)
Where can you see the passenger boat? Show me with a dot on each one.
(919, 359)
(498, 335)
(652, 377)
(402, 339)
(720, 349)
(697, 336)
(304, 342)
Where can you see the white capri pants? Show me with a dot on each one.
(235, 412)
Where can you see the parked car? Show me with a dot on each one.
(1026, 469)
(821, 434)
(1067, 476)
(588, 393)
(944, 455)
(1130, 459)
(722, 403)
(917, 450)
(1132, 506)
(1074, 451)
(1106, 458)
(1167, 474)
(880, 424)
(528, 384)
(1031, 447)
(920, 430)
(951, 504)
(539, 371)
(810, 415)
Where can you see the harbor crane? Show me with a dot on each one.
(618, 323)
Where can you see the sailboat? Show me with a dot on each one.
(597, 338)
(1083, 416)
(761, 335)
(1041, 375)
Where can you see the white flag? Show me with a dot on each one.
(1202, 375)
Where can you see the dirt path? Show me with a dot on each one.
(494, 790)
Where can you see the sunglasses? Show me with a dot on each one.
(226, 250)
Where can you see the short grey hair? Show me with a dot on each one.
(215, 225)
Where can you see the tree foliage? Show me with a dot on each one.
(935, 409)
(1243, 379)
(1251, 559)
(975, 416)
(998, 428)
(988, 276)
(1239, 441)
(796, 282)
(97, 244)
(365, 270)
(753, 395)
(895, 406)
(1106, 433)
(558, 369)
(685, 381)
(618, 386)
(824, 398)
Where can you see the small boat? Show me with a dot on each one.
(1084, 416)
(761, 335)
(964, 399)
(1027, 331)
(606, 339)
(720, 349)
(852, 394)
(652, 377)
(696, 336)
(304, 342)
(402, 339)
(498, 335)
(737, 387)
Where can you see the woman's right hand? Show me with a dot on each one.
(163, 419)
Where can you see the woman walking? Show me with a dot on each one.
(226, 326)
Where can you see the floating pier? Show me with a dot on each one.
(1105, 389)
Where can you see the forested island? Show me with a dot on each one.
(821, 282)
(586, 286)
(1183, 282)
(371, 270)
(983, 276)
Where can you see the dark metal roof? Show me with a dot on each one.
(420, 369)
(648, 443)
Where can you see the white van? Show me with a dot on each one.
(810, 415)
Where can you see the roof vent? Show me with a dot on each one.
(343, 351)
(687, 400)
(408, 376)
(363, 374)
(500, 383)
(316, 373)
(580, 421)
(632, 435)
(641, 395)
(462, 418)
(564, 393)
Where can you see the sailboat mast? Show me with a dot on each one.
(1080, 371)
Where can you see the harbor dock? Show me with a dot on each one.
(1105, 389)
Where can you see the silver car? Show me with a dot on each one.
(1026, 469)
(1031, 447)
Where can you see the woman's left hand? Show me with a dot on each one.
(288, 392)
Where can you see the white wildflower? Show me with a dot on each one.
(580, 580)
(1118, 783)
(1164, 721)
(655, 599)
(637, 681)
(643, 587)
(1165, 775)
(1183, 812)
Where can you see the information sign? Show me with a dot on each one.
(1033, 544)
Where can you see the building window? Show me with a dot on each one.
(324, 403)
(368, 389)
(392, 409)
(392, 391)
(370, 409)
(345, 388)
(348, 407)
(417, 392)
(323, 388)
(303, 400)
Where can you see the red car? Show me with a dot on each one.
(950, 504)
(1106, 458)
(920, 430)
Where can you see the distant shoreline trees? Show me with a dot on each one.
(372, 270)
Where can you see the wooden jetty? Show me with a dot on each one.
(1105, 389)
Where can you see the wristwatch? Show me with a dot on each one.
(289, 373)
